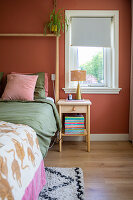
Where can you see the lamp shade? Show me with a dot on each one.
(78, 75)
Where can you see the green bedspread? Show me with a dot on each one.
(41, 115)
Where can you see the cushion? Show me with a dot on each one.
(41, 89)
(1, 75)
(20, 87)
(46, 84)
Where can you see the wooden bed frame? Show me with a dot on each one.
(57, 54)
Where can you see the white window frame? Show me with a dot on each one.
(113, 74)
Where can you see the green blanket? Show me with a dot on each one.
(41, 115)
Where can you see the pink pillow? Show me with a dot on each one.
(45, 84)
(20, 87)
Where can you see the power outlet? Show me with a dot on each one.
(52, 77)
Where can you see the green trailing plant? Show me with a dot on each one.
(58, 22)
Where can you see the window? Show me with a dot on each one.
(91, 44)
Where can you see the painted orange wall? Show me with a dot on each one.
(109, 113)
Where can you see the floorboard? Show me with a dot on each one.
(108, 168)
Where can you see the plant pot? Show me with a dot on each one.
(54, 28)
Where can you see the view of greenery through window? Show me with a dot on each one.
(91, 59)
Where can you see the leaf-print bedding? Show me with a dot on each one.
(22, 174)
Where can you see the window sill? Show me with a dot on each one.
(94, 90)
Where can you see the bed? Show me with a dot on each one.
(26, 128)
(41, 119)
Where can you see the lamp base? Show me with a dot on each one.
(78, 93)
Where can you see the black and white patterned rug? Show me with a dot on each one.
(63, 184)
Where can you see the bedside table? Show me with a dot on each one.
(77, 106)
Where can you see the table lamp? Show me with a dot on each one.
(78, 75)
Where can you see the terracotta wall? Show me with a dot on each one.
(109, 113)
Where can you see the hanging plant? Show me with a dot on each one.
(58, 22)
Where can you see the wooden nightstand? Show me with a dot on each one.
(66, 106)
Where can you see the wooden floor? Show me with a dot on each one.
(108, 168)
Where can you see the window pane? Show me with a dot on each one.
(91, 59)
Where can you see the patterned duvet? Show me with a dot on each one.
(22, 174)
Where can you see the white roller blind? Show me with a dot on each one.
(93, 32)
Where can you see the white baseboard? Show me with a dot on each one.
(100, 137)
